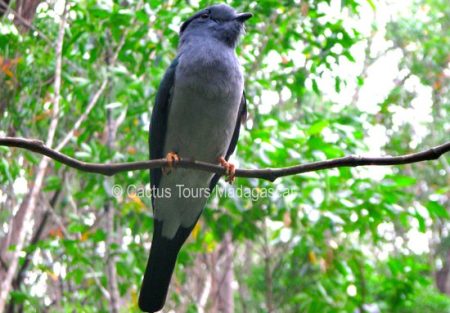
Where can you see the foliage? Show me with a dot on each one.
(331, 241)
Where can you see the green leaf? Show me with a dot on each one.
(52, 183)
(403, 181)
(315, 87)
(436, 209)
(349, 56)
(372, 4)
(317, 127)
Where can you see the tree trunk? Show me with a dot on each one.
(26, 9)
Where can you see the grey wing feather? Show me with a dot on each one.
(158, 123)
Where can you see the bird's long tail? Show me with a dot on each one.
(160, 265)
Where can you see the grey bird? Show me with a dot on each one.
(197, 114)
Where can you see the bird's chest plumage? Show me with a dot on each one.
(205, 104)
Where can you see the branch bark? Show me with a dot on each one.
(26, 9)
(270, 174)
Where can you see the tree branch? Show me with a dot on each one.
(268, 174)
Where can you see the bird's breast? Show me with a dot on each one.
(205, 104)
(210, 70)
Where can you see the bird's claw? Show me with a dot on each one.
(172, 158)
(230, 169)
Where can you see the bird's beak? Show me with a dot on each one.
(242, 17)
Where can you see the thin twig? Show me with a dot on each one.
(269, 174)
(83, 116)
(111, 272)
(268, 273)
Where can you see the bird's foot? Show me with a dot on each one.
(172, 158)
(230, 169)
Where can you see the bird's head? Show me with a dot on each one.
(219, 21)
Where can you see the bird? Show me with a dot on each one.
(199, 107)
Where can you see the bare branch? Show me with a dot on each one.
(83, 116)
(268, 174)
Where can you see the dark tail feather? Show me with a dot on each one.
(160, 265)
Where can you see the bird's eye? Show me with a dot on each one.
(204, 16)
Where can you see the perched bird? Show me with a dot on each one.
(199, 106)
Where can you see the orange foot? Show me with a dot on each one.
(172, 158)
(230, 169)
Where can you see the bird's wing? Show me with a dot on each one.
(233, 143)
(158, 122)
(163, 252)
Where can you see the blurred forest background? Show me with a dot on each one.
(324, 79)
